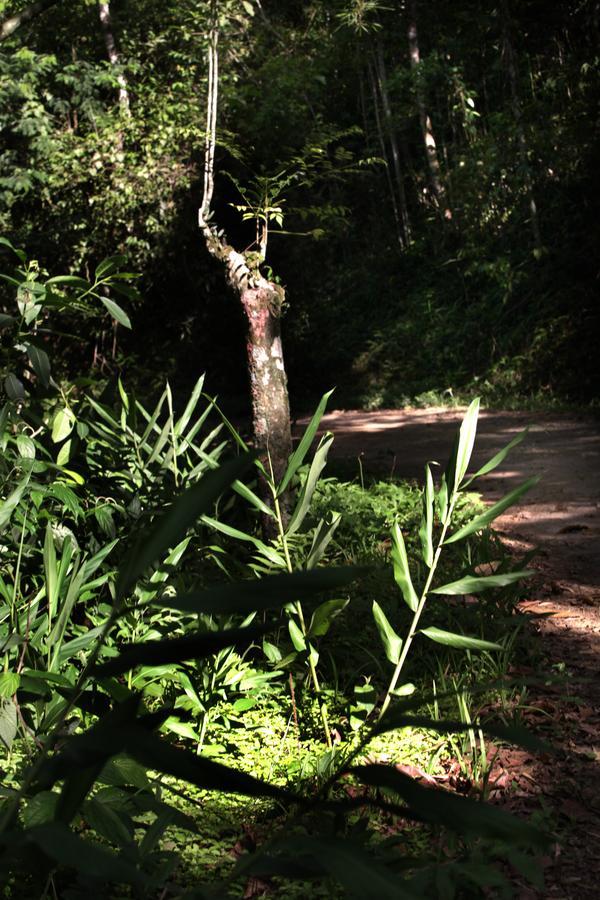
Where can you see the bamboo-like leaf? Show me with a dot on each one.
(270, 592)
(321, 539)
(472, 584)
(190, 408)
(308, 488)
(9, 505)
(466, 440)
(392, 644)
(482, 521)
(426, 529)
(296, 636)
(324, 615)
(297, 457)
(460, 641)
(269, 552)
(401, 569)
(460, 814)
(495, 461)
(172, 526)
(197, 645)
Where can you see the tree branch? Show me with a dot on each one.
(25, 15)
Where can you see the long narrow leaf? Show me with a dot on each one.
(426, 529)
(297, 457)
(474, 584)
(392, 644)
(495, 461)
(466, 441)
(308, 488)
(460, 641)
(172, 526)
(401, 569)
(482, 521)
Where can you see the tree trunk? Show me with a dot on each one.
(431, 154)
(384, 156)
(510, 60)
(25, 15)
(113, 55)
(389, 121)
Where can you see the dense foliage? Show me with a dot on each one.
(406, 282)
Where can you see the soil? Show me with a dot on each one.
(561, 517)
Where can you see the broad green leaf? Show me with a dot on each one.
(108, 266)
(20, 253)
(482, 521)
(322, 537)
(466, 440)
(495, 461)
(8, 723)
(461, 641)
(296, 636)
(64, 454)
(116, 312)
(308, 488)
(426, 529)
(269, 592)
(324, 615)
(197, 645)
(40, 808)
(25, 446)
(106, 822)
(172, 526)
(459, 814)
(6, 320)
(392, 644)
(14, 388)
(40, 363)
(472, 584)
(401, 569)
(297, 457)
(62, 424)
(9, 684)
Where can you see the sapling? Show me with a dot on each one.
(435, 534)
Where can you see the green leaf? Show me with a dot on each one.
(116, 312)
(196, 645)
(13, 387)
(25, 446)
(172, 526)
(512, 734)
(269, 552)
(40, 363)
(324, 615)
(8, 506)
(297, 457)
(67, 849)
(472, 584)
(466, 440)
(62, 424)
(449, 639)
(296, 636)
(495, 461)
(426, 529)
(6, 320)
(322, 537)
(459, 814)
(392, 644)
(40, 808)
(20, 253)
(108, 266)
(401, 569)
(269, 592)
(310, 483)
(72, 280)
(8, 723)
(9, 684)
(482, 521)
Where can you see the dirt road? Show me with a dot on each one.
(561, 516)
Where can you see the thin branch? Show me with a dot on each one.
(211, 119)
(30, 12)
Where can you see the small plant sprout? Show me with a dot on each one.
(435, 534)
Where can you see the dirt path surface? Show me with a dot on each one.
(561, 516)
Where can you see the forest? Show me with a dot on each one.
(299, 503)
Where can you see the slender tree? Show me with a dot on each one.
(113, 55)
(23, 16)
(431, 154)
(510, 61)
(261, 300)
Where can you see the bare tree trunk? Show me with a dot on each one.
(113, 55)
(25, 15)
(510, 61)
(384, 156)
(393, 141)
(261, 301)
(431, 154)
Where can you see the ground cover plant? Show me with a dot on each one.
(164, 653)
